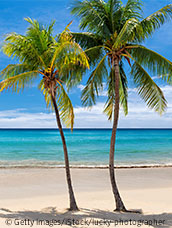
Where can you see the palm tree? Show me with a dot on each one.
(50, 60)
(114, 36)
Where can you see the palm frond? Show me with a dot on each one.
(111, 8)
(93, 46)
(154, 21)
(94, 83)
(123, 87)
(46, 94)
(72, 75)
(127, 33)
(63, 102)
(92, 16)
(68, 53)
(40, 35)
(108, 109)
(19, 82)
(123, 94)
(154, 62)
(87, 39)
(148, 89)
(13, 69)
(65, 108)
(132, 9)
(23, 49)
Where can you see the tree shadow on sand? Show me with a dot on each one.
(50, 213)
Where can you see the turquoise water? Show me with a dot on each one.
(86, 147)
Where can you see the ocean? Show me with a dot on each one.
(87, 147)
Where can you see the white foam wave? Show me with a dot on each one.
(60, 164)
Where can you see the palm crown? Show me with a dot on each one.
(117, 31)
(51, 59)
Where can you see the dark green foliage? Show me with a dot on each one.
(117, 31)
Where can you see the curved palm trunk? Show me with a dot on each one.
(73, 205)
(119, 204)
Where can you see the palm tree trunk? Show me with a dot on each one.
(119, 204)
(73, 205)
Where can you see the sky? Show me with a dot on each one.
(28, 109)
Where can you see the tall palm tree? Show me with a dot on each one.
(50, 60)
(114, 37)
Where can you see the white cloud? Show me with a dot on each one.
(132, 90)
(81, 87)
(102, 93)
(139, 116)
(91, 118)
(155, 77)
(20, 118)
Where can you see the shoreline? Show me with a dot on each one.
(86, 167)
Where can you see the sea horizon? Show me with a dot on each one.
(85, 128)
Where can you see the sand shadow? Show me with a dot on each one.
(74, 219)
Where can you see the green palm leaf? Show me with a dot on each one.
(94, 83)
(153, 61)
(154, 21)
(132, 9)
(148, 89)
(108, 110)
(64, 104)
(127, 33)
(23, 49)
(91, 18)
(19, 82)
(65, 107)
(12, 70)
(123, 90)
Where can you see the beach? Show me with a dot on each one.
(33, 194)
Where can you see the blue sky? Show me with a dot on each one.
(28, 109)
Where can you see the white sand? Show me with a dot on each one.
(42, 194)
